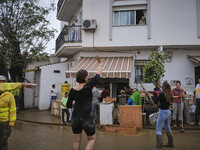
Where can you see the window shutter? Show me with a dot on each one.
(141, 62)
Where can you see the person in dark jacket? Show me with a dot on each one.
(81, 119)
(165, 98)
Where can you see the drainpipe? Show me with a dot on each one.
(34, 88)
(134, 56)
(149, 19)
(198, 17)
(111, 89)
(111, 19)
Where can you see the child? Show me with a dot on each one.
(64, 108)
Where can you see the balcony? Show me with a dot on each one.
(70, 37)
(60, 2)
(67, 8)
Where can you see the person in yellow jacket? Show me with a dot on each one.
(8, 109)
(7, 118)
(14, 86)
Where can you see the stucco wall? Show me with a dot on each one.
(178, 69)
(29, 92)
(47, 79)
(173, 22)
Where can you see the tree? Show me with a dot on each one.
(24, 34)
(154, 70)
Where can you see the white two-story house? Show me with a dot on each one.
(127, 32)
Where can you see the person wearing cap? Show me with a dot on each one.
(4, 86)
(8, 109)
(7, 116)
(64, 108)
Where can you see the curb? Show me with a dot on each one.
(44, 123)
(193, 128)
(59, 124)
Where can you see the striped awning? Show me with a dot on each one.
(113, 67)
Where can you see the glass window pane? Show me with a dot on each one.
(116, 18)
(124, 18)
(132, 17)
(139, 73)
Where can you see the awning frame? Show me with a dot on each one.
(192, 58)
(114, 67)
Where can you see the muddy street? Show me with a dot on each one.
(28, 136)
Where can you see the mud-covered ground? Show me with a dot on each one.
(30, 136)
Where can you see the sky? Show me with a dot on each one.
(54, 23)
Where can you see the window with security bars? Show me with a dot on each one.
(139, 70)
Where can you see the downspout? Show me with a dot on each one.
(34, 88)
(111, 19)
(133, 73)
(198, 17)
(149, 19)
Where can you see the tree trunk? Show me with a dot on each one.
(3, 69)
(157, 84)
(17, 64)
(16, 70)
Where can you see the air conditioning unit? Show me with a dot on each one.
(89, 24)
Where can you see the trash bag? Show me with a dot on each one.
(153, 118)
(192, 108)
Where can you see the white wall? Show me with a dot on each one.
(173, 22)
(47, 79)
(35, 64)
(29, 92)
(178, 69)
(37, 89)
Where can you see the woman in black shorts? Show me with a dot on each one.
(81, 119)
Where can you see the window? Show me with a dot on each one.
(129, 17)
(56, 71)
(139, 69)
(139, 73)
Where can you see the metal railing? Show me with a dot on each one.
(69, 34)
(60, 2)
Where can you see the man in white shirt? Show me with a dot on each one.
(197, 97)
(53, 94)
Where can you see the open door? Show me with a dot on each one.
(197, 74)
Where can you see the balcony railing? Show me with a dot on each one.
(69, 34)
(60, 2)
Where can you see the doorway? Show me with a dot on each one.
(197, 74)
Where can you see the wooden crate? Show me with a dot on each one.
(131, 116)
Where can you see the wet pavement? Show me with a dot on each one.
(45, 117)
(32, 136)
(33, 115)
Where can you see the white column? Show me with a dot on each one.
(132, 79)
(111, 89)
